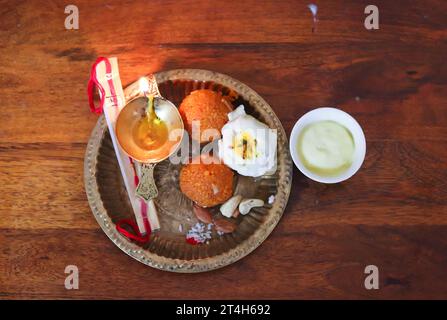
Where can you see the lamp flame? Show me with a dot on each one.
(144, 85)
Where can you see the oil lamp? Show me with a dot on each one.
(143, 130)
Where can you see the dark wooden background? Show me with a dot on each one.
(392, 214)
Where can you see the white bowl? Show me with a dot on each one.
(341, 117)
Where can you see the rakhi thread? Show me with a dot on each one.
(143, 206)
(92, 83)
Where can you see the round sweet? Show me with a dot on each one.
(208, 107)
(207, 184)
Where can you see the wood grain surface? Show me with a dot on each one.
(392, 214)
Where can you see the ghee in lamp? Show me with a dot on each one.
(150, 132)
(143, 128)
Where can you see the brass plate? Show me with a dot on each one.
(168, 249)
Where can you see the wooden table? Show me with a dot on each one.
(391, 214)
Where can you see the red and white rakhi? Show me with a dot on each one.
(105, 76)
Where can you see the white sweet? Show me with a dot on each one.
(236, 113)
(248, 146)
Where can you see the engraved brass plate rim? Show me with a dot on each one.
(272, 217)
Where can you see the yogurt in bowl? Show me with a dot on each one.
(327, 145)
